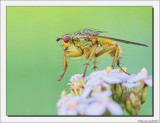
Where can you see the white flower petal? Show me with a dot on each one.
(121, 76)
(95, 109)
(86, 92)
(137, 78)
(82, 107)
(94, 82)
(97, 74)
(69, 83)
(144, 70)
(114, 71)
(111, 80)
(106, 85)
(62, 111)
(148, 81)
(114, 108)
(71, 105)
(76, 77)
(91, 99)
(72, 112)
(131, 85)
(105, 94)
(86, 78)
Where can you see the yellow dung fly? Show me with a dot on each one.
(89, 44)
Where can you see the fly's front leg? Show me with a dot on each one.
(92, 53)
(78, 52)
(65, 67)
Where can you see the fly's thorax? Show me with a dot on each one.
(83, 43)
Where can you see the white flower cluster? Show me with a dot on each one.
(95, 95)
(95, 105)
(135, 80)
(71, 105)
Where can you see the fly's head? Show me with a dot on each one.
(66, 40)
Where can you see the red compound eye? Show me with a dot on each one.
(66, 38)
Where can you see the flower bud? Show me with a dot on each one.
(63, 93)
(118, 90)
(77, 85)
(144, 94)
(108, 69)
(132, 98)
(129, 107)
(133, 103)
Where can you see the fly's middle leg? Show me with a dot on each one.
(95, 63)
(89, 58)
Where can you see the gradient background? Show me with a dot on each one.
(35, 59)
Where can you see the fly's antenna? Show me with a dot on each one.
(58, 39)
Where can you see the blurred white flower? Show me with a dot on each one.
(122, 76)
(92, 95)
(97, 74)
(148, 81)
(110, 76)
(77, 84)
(114, 108)
(135, 80)
(86, 92)
(100, 102)
(71, 105)
(99, 81)
(111, 80)
(95, 108)
(96, 85)
(102, 94)
(76, 77)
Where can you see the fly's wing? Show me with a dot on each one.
(124, 41)
(88, 32)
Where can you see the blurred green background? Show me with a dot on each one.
(35, 59)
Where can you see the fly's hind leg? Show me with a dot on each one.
(117, 50)
(116, 58)
(118, 63)
(106, 50)
(78, 52)
(114, 51)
